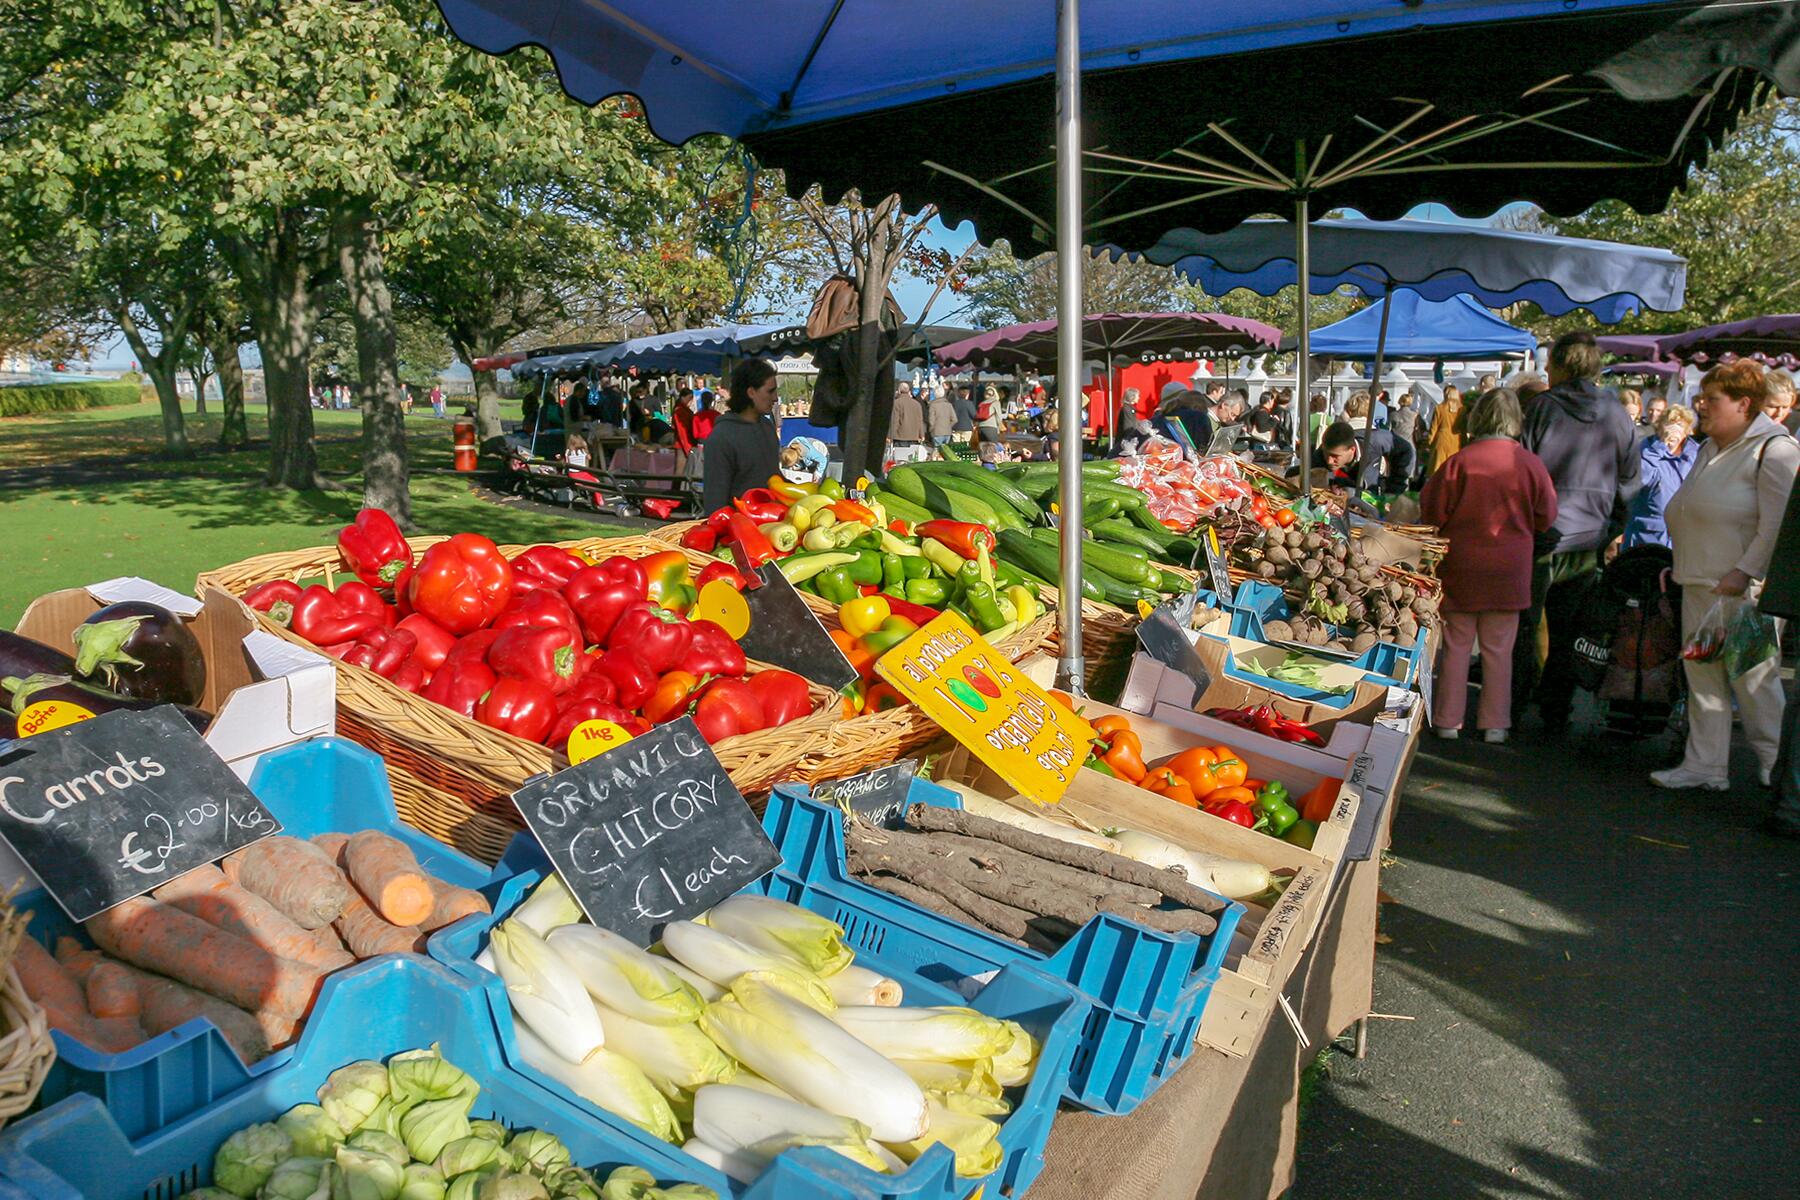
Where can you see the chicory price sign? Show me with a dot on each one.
(651, 832)
(975, 693)
(108, 808)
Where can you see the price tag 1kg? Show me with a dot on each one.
(595, 737)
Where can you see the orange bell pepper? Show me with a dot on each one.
(1108, 725)
(1225, 795)
(1195, 766)
(1228, 770)
(1318, 803)
(881, 697)
(850, 510)
(1161, 780)
(1182, 794)
(860, 656)
(1256, 785)
(1125, 755)
(1064, 699)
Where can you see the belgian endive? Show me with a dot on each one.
(546, 993)
(974, 1139)
(608, 1080)
(624, 978)
(814, 1060)
(550, 906)
(816, 942)
(723, 959)
(932, 1034)
(675, 1057)
(757, 1126)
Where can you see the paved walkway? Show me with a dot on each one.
(1603, 981)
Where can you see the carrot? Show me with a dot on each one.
(168, 1005)
(53, 987)
(367, 934)
(108, 1034)
(386, 873)
(113, 1034)
(453, 904)
(112, 992)
(332, 844)
(207, 894)
(295, 876)
(162, 938)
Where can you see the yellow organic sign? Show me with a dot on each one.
(987, 704)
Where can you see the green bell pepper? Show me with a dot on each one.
(930, 592)
(867, 567)
(979, 600)
(1301, 833)
(836, 585)
(916, 567)
(892, 570)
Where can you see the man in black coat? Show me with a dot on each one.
(1590, 449)
(1781, 598)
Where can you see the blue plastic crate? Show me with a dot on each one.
(1048, 1008)
(1386, 663)
(74, 1150)
(321, 786)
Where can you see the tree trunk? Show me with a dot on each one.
(385, 477)
(234, 434)
(277, 293)
(487, 391)
(162, 370)
(200, 379)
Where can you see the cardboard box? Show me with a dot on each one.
(264, 693)
(1151, 686)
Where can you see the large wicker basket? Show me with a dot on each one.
(453, 777)
(26, 1050)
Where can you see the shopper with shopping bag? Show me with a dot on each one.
(1723, 524)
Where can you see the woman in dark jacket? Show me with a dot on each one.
(1781, 598)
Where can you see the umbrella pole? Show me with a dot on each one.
(1303, 361)
(1387, 306)
(1070, 668)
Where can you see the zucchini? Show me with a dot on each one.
(1098, 510)
(1125, 533)
(1128, 497)
(1041, 561)
(1099, 468)
(1124, 565)
(1146, 520)
(906, 483)
(1005, 516)
(897, 506)
(959, 505)
(1026, 507)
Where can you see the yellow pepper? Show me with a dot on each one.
(788, 490)
(863, 615)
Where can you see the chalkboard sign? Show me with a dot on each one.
(878, 796)
(649, 833)
(1162, 635)
(1215, 565)
(785, 633)
(106, 809)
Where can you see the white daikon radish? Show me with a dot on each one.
(1232, 878)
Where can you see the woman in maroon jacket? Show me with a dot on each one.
(1489, 499)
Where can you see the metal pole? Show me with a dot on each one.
(1303, 367)
(1070, 667)
(1387, 306)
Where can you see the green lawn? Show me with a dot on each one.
(171, 520)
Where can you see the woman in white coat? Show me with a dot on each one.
(1722, 524)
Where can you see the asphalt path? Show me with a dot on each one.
(1602, 981)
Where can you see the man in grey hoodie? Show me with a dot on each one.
(1587, 443)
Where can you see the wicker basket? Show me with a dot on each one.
(26, 1050)
(454, 777)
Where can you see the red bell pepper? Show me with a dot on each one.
(522, 707)
(712, 651)
(967, 538)
(737, 695)
(545, 654)
(716, 722)
(761, 506)
(373, 548)
(672, 697)
(883, 696)
(669, 581)
(918, 614)
(1235, 811)
(324, 620)
(588, 710)
(703, 538)
(630, 674)
(362, 597)
(544, 567)
(387, 650)
(544, 606)
(742, 531)
(435, 642)
(600, 593)
(475, 646)
(785, 697)
(462, 584)
(460, 684)
(720, 570)
(592, 684)
(411, 677)
(658, 637)
(276, 598)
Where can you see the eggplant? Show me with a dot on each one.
(141, 651)
(21, 655)
(20, 693)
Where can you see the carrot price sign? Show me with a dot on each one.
(976, 694)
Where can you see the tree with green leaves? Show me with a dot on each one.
(1003, 289)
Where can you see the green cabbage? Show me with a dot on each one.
(249, 1156)
(571, 1183)
(296, 1178)
(434, 1124)
(351, 1093)
(538, 1152)
(315, 1134)
(366, 1175)
(422, 1182)
(207, 1193)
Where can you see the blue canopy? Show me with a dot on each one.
(1437, 260)
(699, 350)
(1421, 329)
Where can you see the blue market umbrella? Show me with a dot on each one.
(700, 350)
(1404, 326)
(1163, 113)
